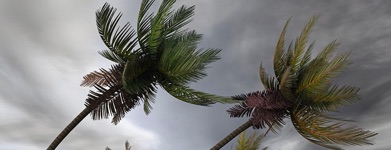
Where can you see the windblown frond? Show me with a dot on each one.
(317, 78)
(279, 61)
(110, 99)
(157, 27)
(321, 131)
(120, 41)
(334, 98)
(300, 44)
(104, 77)
(181, 17)
(144, 24)
(191, 96)
(252, 142)
(269, 82)
(287, 84)
(181, 62)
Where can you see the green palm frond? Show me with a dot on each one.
(305, 60)
(335, 98)
(279, 60)
(252, 142)
(321, 131)
(181, 62)
(317, 78)
(181, 17)
(157, 27)
(268, 81)
(119, 40)
(192, 96)
(144, 24)
(300, 44)
(287, 83)
(110, 55)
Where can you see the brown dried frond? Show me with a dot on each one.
(265, 108)
(104, 77)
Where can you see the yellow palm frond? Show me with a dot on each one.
(320, 130)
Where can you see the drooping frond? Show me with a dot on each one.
(181, 62)
(119, 40)
(110, 99)
(265, 108)
(104, 77)
(269, 82)
(279, 61)
(192, 96)
(321, 131)
(300, 44)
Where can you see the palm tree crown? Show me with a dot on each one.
(158, 52)
(302, 89)
(161, 54)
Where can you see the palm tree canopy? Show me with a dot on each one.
(157, 52)
(302, 88)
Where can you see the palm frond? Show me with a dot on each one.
(181, 62)
(144, 24)
(279, 61)
(157, 27)
(318, 78)
(306, 59)
(252, 142)
(104, 77)
(265, 108)
(300, 44)
(192, 96)
(119, 40)
(181, 17)
(335, 98)
(269, 82)
(321, 131)
(137, 75)
(287, 84)
(110, 55)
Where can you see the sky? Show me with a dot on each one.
(48, 46)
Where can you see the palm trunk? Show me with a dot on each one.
(232, 135)
(69, 128)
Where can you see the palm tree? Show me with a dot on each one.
(252, 142)
(162, 53)
(302, 89)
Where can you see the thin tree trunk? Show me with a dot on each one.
(232, 135)
(69, 128)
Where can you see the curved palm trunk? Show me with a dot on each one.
(232, 135)
(69, 128)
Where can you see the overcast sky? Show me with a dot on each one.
(48, 46)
